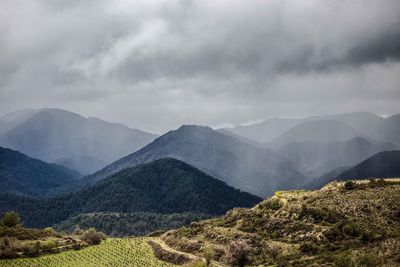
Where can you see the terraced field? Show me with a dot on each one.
(112, 252)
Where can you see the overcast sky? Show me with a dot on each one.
(156, 65)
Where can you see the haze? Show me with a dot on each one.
(155, 65)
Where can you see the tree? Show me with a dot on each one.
(239, 253)
(92, 237)
(11, 219)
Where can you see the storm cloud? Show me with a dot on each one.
(158, 64)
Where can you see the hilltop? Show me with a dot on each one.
(344, 222)
(244, 166)
(59, 136)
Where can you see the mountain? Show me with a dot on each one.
(244, 166)
(323, 131)
(381, 165)
(316, 158)
(264, 131)
(163, 186)
(62, 137)
(370, 125)
(23, 175)
(338, 225)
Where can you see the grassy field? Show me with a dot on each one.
(112, 252)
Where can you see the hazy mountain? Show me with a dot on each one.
(381, 165)
(265, 131)
(163, 186)
(323, 131)
(21, 174)
(370, 125)
(319, 182)
(83, 144)
(316, 158)
(241, 165)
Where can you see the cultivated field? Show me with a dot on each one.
(112, 252)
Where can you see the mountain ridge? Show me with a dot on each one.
(250, 168)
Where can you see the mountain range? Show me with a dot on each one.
(66, 138)
(314, 158)
(357, 124)
(253, 169)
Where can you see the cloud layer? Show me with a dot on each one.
(158, 64)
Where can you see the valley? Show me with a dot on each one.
(321, 192)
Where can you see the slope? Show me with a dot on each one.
(381, 165)
(21, 174)
(241, 165)
(163, 186)
(358, 224)
(83, 144)
(315, 158)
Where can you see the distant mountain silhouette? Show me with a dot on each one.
(265, 131)
(384, 164)
(316, 158)
(323, 131)
(163, 186)
(244, 166)
(82, 144)
(365, 123)
(23, 175)
(381, 165)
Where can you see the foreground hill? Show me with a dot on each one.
(163, 186)
(316, 158)
(241, 165)
(339, 225)
(23, 175)
(59, 136)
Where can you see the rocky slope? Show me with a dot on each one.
(343, 223)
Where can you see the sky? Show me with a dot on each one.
(155, 65)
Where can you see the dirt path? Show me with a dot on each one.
(191, 256)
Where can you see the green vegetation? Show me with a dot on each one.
(343, 224)
(10, 219)
(112, 252)
(129, 224)
(27, 176)
(163, 186)
(17, 241)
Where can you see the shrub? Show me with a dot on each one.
(309, 248)
(49, 230)
(239, 253)
(369, 260)
(344, 260)
(349, 185)
(32, 250)
(92, 237)
(11, 219)
(351, 229)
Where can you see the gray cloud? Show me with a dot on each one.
(157, 64)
